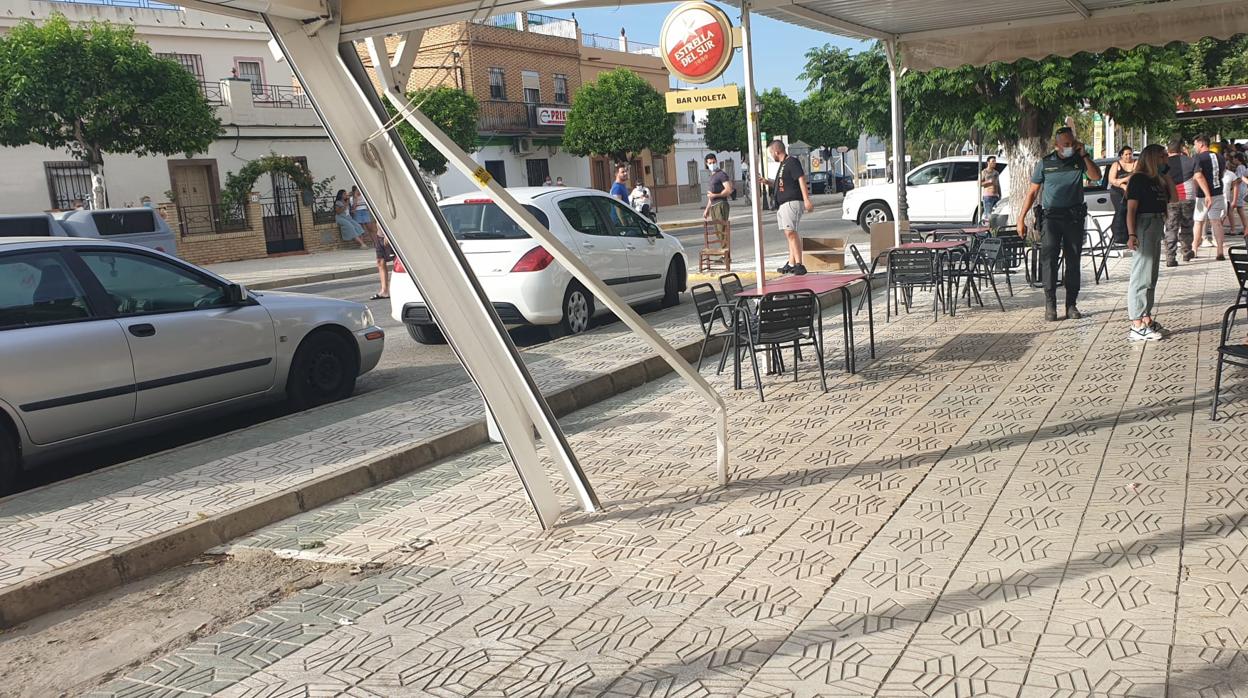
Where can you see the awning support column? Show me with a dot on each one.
(902, 214)
(754, 144)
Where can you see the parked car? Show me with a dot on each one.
(939, 191)
(844, 183)
(1095, 195)
(13, 225)
(138, 226)
(101, 341)
(626, 250)
(818, 182)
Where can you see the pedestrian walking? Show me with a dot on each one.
(1180, 211)
(1241, 188)
(990, 186)
(347, 227)
(1058, 180)
(718, 191)
(360, 212)
(1119, 173)
(1149, 193)
(639, 199)
(792, 198)
(385, 255)
(1231, 191)
(1210, 203)
(619, 189)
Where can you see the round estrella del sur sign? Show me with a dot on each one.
(696, 42)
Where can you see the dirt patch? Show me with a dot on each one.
(72, 651)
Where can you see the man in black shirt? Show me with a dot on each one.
(1179, 212)
(792, 199)
(1211, 205)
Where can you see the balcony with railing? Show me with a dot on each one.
(213, 94)
(534, 23)
(133, 4)
(267, 96)
(520, 118)
(619, 43)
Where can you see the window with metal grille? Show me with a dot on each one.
(561, 89)
(193, 62)
(498, 85)
(69, 183)
(250, 70)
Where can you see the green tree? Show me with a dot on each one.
(725, 127)
(94, 89)
(1212, 63)
(454, 111)
(821, 127)
(1018, 103)
(619, 115)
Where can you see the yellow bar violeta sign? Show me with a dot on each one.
(710, 98)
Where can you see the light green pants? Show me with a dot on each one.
(1150, 228)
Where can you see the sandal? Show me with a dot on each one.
(379, 297)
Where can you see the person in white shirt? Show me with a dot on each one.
(639, 199)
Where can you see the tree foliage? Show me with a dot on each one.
(454, 111)
(821, 127)
(95, 89)
(619, 115)
(725, 127)
(238, 185)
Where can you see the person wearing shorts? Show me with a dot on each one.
(1210, 203)
(385, 255)
(792, 198)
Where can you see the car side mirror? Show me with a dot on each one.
(235, 294)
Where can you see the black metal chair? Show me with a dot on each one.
(868, 271)
(731, 285)
(1233, 354)
(911, 269)
(710, 311)
(908, 236)
(1013, 258)
(790, 319)
(979, 266)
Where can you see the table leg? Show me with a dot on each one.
(870, 318)
(850, 349)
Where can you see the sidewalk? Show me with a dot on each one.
(997, 506)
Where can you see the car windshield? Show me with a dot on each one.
(484, 220)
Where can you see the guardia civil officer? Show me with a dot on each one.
(1061, 174)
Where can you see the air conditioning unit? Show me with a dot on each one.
(523, 146)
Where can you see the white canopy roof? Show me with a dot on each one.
(930, 33)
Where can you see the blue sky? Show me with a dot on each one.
(779, 48)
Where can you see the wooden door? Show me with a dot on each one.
(195, 192)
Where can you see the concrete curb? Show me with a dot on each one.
(312, 278)
(68, 585)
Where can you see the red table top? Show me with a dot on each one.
(815, 283)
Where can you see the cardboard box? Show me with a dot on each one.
(883, 237)
(823, 254)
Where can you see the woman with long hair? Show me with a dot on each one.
(1116, 182)
(1149, 190)
(342, 216)
(360, 211)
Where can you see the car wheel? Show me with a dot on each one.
(324, 370)
(674, 283)
(426, 334)
(874, 212)
(10, 462)
(578, 309)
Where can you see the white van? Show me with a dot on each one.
(137, 226)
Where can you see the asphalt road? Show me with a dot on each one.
(405, 361)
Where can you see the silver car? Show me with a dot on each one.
(102, 340)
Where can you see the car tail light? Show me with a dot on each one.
(535, 259)
(398, 266)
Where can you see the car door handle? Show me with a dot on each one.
(587, 244)
(630, 246)
(142, 330)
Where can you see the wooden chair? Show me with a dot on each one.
(716, 246)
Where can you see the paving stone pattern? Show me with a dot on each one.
(65, 523)
(998, 506)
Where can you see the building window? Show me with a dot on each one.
(498, 86)
(497, 170)
(561, 89)
(532, 86)
(193, 62)
(658, 167)
(251, 70)
(69, 184)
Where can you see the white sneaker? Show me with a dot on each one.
(1142, 334)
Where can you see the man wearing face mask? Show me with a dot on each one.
(717, 194)
(1060, 175)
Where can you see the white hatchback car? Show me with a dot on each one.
(625, 249)
(940, 191)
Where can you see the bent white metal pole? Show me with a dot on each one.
(403, 206)
(902, 214)
(461, 161)
(752, 138)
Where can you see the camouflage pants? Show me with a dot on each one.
(1179, 227)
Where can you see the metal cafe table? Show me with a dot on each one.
(820, 284)
(944, 250)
